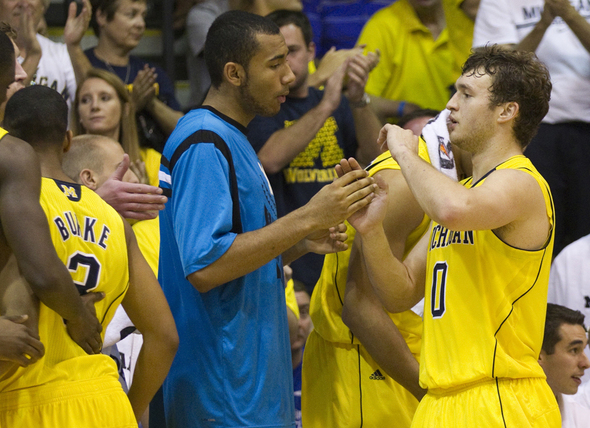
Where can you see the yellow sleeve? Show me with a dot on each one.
(151, 158)
(377, 35)
(147, 233)
(290, 298)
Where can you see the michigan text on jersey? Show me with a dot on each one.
(442, 237)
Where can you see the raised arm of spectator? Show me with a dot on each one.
(144, 97)
(329, 63)
(285, 144)
(385, 109)
(366, 123)
(74, 31)
(577, 23)
(532, 40)
(28, 43)
(166, 117)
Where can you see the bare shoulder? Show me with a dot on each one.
(517, 183)
(524, 195)
(17, 157)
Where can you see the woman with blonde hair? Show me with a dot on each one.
(103, 106)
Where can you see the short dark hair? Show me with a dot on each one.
(286, 17)
(6, 53)
(232, 38)
(38, 115)
(423, 112)
(299, 286)
(558, 315)
(519, 77)
(108, 7)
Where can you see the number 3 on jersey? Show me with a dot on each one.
(86, 267)
(439, 283)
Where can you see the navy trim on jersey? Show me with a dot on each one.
(500, 401)
(74, 196)
(512, 310)
(228, 119)
(358, 350)
(374, 164)
(204, 136)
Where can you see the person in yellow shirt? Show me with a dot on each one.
(25, 239)
(483, 268)
(423, 45)
(67, 387)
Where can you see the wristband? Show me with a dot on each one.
(400, 109)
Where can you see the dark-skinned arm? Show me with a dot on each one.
(26, 230)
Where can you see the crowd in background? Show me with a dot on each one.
(353, 67)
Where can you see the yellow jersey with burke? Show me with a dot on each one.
(89, 237)
(485, 302)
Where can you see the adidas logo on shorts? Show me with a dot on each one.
(377, 376)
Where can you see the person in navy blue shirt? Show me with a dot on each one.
(119, 26)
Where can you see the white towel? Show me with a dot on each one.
(119, 328)
(436, 135)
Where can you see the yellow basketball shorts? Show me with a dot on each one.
(511, 403)
(95, 403)
(343, 387)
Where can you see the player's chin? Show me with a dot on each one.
(270, 110)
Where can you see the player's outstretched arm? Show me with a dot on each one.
(148, 310)
(132, 200)
(286, 143)
(326, 241)
(27, 233)
(383, 268)
(330, 206)
(366, 123)
(506, 197)
(363, 313)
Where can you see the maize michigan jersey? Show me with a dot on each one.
(485, 304)
(328, 296)
(342, 385)
(89, 237)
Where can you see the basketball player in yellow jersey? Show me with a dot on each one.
(484, 267)
(348, 371)
(67, 387)
(91, 161)
(24, 236)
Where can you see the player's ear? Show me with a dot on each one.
(87, 179)
(67, 144)
(234, 73)
(509, 112)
